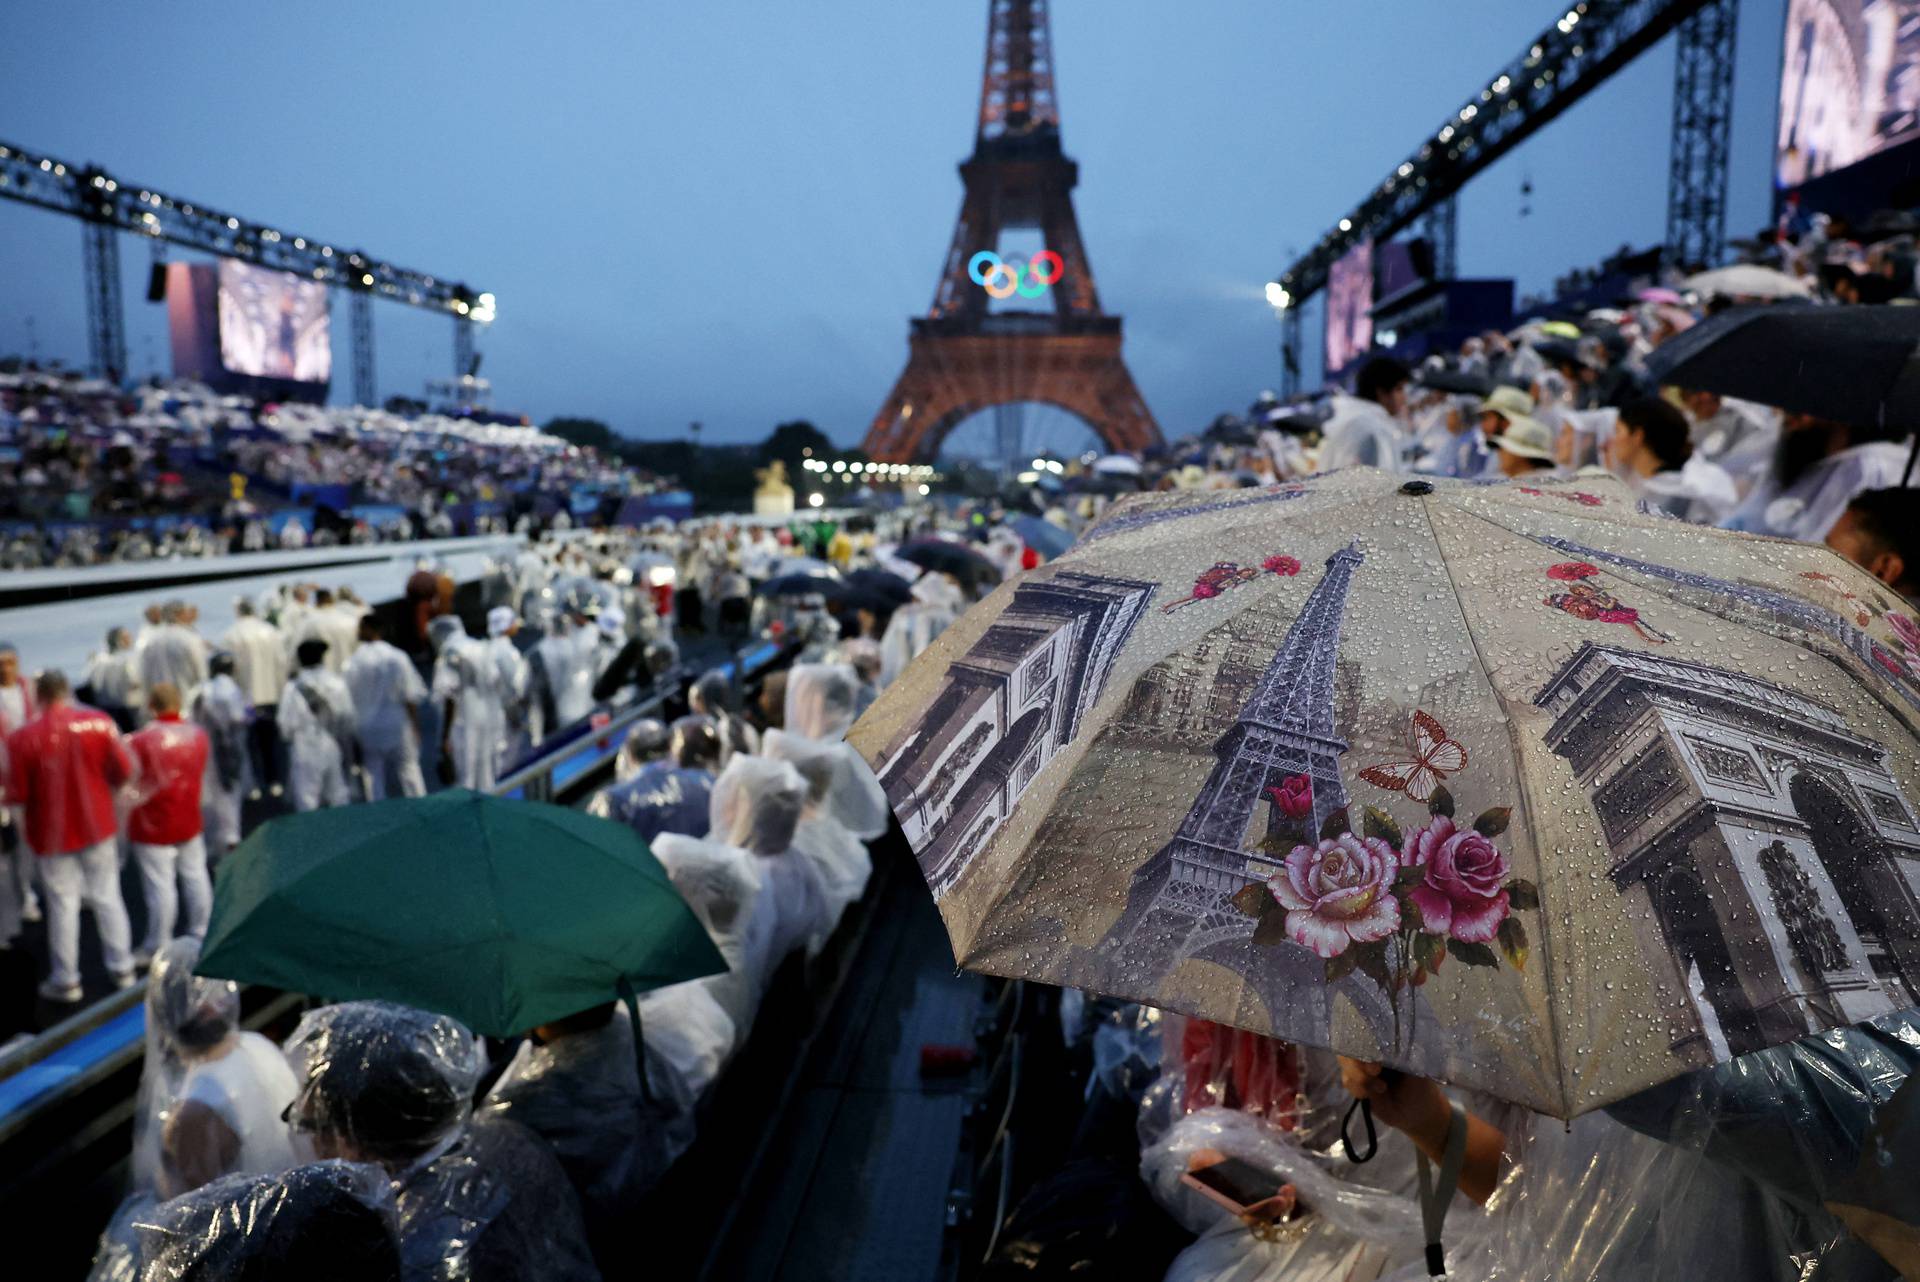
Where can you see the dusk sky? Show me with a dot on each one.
(727, 211)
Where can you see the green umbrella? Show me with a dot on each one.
(502, 914)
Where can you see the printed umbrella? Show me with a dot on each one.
(1511, 786)
(502, 914)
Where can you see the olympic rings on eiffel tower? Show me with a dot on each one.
(1002, 279)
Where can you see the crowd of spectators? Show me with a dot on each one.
(89, 473)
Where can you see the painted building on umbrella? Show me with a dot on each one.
(1771, 857)
(1006, 708)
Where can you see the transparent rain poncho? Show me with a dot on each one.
(839, 858)
(581, 1093)
(1790, 1163)
(210, 1095)
(323, 1222)
(478, 1202)
(822, 700)
(756, 806)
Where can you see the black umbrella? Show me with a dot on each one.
(879, 583)
(1228, 430)
(798, 585)
(945, 557)
(1853, 365)
(1465, 382)
(848, 598)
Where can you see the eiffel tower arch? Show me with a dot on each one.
(1066, 352)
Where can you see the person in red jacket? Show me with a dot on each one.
(164, 826)
(62, 769)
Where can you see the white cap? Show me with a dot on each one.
(612, 622)
(499, 620)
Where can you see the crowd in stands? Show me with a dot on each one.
(91, 473)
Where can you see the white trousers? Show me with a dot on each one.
(161, 867)
(21, 861)
(220, 813)
(89, 878)
(315, 775)
(398, 764)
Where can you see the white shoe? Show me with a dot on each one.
(30, 911)
(125, 981)
(277, 790)
(64, 996)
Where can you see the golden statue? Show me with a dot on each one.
(773, 497)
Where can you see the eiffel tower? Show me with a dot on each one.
(961, 359)
(1180, 904)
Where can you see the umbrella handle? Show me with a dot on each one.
(624, 987)
(1373, 1137)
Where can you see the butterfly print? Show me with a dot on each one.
(1434, 757)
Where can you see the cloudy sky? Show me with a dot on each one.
(726, 211)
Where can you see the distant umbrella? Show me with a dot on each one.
(1044, 537)
(945, 557)
(798, 585)
(1748, 280)
(881, 583)
(1118, 465)
(1465, 382)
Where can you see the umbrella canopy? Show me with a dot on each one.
(502, 914)
(1464, 382)
(883, 584)
(1507, 785)
(946, 557)
(1748, 280)
(798, 585)
(1044, 537)
(1560, 329)
(1118, 465)
(1851, 364)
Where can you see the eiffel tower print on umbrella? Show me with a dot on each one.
(1404, 795)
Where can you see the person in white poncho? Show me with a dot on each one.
(757, 900)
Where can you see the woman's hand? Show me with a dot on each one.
(1407, 1103)
(1420, 1109)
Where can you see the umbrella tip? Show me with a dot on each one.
(1417, 487)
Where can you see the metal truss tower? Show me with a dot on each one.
(462, 347)
(1443, 229)
(106, 322)
(1289, 353)
(1702, 121)
(107, 206)
(360, 310)
(1583, 48)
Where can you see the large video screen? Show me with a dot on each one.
(1350, 307)
(1850, 84)
(273, 325)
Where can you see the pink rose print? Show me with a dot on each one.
(1338, 893)
(1201, 591)
(1906, 629)
(1586, 500)
(1294, 797)
(1282, 565)
(1461, 895)
(1528, 489)
(1569, 571)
